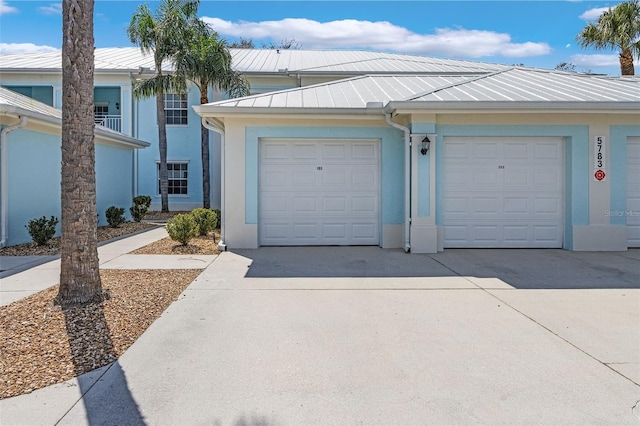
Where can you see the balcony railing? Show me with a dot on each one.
(113, 122)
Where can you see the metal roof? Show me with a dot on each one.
(355, 92)
(515, 85)
(17, 104)
(349, 62)
(10, 99)
(266, 61)
(529, 85)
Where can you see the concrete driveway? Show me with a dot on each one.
(361, 335)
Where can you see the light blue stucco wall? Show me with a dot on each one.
(576, 165)
(391, 159)
(183, 144)
(617, 172)
(33, 181)
(34, 160)
(424, 171)
(114, 180)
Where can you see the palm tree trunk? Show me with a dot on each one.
(162, 144)
(79, 272)
(204, 149)
(626, 62)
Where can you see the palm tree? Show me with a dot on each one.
(79, 273)
(617, 28)
(163, 35)
(206, 62)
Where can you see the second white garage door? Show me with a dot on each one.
(319, 192)
(503, 192)
(633, 191)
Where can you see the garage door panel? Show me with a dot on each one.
(303, 152)
(516, 234)
(516, 205)
(516, 151)
(334, 152)
(506, 193)
(303, 178)
(334, 204)
(483, 177)
(549, 233)
(277, 204)
(486, 150)
(275, 152)
(485, 205)
(517, 177)
(365, 152)
(335, 177)
(547, 151)
(319, 193)
(302, 204)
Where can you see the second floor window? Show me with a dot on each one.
(177, 178)
(100, 111)
(175, 108)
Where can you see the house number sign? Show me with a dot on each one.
(599, 159)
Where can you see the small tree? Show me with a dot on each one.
(206, 220)
(115, 216)
(140, 207)
(182, 228)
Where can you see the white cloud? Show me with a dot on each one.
(21, 48)
(381, 35)
(594, 14)
(598, 60)
(5, 8)
(52, 9)
(568, 45)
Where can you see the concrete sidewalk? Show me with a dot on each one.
(114, 255)
(249, 345)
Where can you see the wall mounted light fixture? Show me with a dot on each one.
(426, 143)
(117, 105)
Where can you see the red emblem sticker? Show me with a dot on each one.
(600, 175)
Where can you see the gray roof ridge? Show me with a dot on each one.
(460, 83)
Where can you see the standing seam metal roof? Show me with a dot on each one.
(126, 59)
(515, 85)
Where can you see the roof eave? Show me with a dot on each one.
(49, 120)
(511, 106)
(218, 111)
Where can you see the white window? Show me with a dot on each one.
(100, 110)
(175, 108)
(178, 174)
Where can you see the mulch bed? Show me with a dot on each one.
(53, 247)
(200, 245)
(42, 345)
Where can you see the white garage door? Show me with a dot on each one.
(633, 191)
(503, 192)
(319, 192)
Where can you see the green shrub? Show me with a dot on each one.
(42, 230)
(218, 218)
(140, 207)
(182, 228)
(206, 219)
(115, 216)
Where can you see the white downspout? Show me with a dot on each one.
(407, 181)
(4, 176)
(222, 246)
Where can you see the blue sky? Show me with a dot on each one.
(533, 33)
